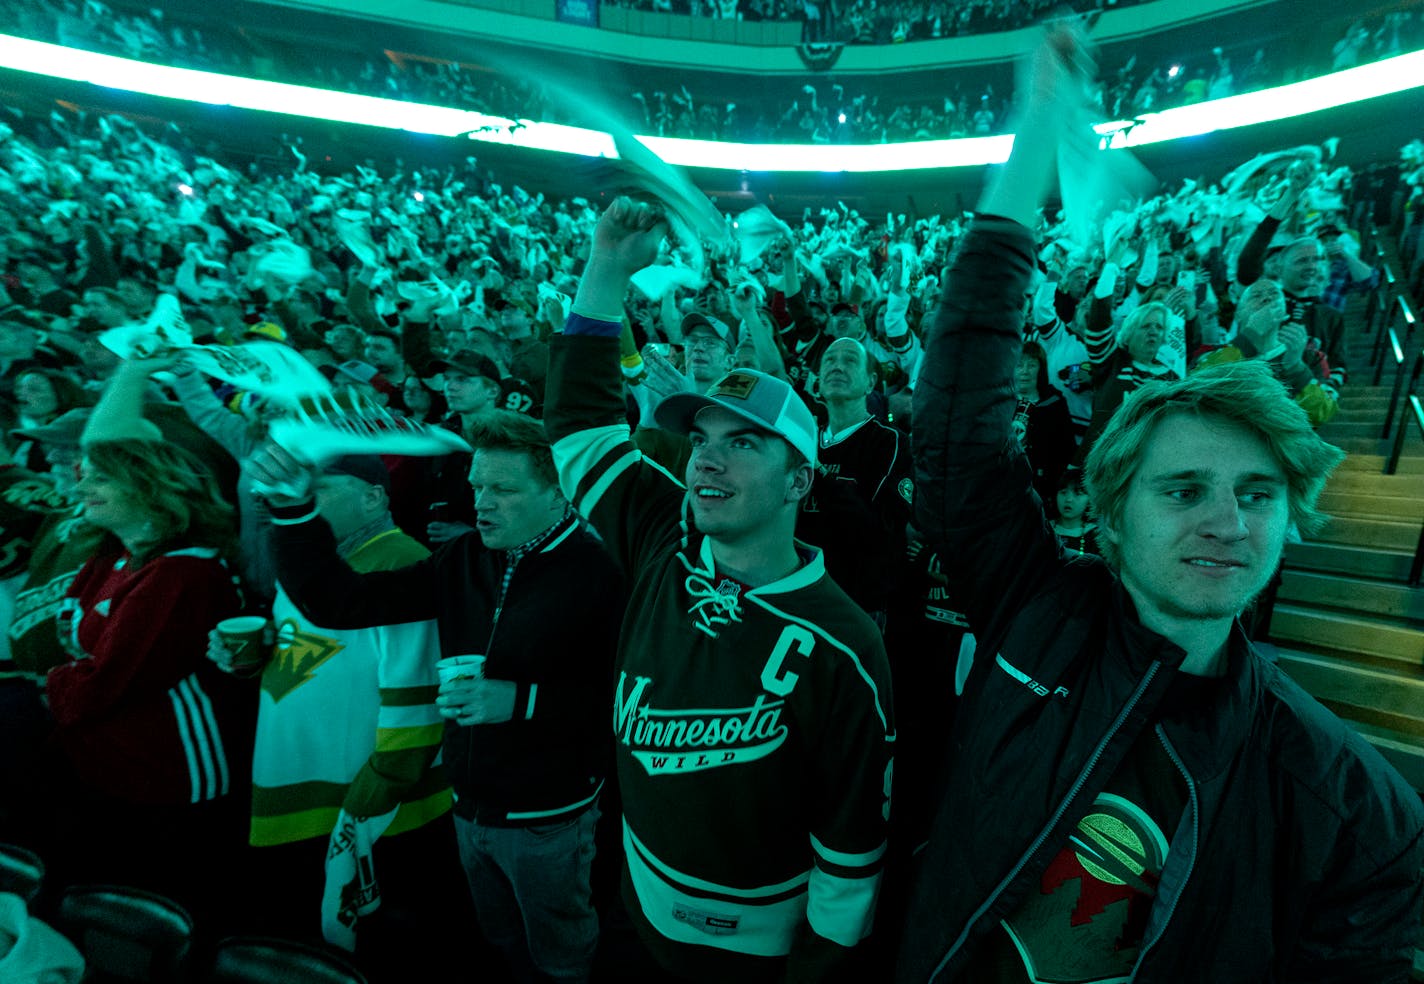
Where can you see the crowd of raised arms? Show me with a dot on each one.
(655, 594)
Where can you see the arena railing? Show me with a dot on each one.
(1413, 414)
(1388, 76)
(1397, 350)
(1377, 317)
(1378, 301)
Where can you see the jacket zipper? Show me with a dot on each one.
(1191, 857)
(1054, 821)
(499, 604)
(489, 644)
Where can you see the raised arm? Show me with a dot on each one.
(633, 503)
(118, 416)
(973, 485)
(311, 570)
(1253, 255)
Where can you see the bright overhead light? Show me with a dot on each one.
(1380, 78)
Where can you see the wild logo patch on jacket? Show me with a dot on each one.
(667, 741)
(1085, 923)
(298, 656)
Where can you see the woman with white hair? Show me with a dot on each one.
(1123, 362)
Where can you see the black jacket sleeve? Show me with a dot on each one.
(330, 593)
(1253, 255)
(974, 497)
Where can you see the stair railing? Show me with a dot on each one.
(1377, 299)
(1378, 319)
(1402, 427)
(1397, 350)
(1416, 410)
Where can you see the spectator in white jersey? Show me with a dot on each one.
(345, 775)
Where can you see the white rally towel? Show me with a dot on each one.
(328, 426)
(30, 951)
(273, 371)
(351, 890)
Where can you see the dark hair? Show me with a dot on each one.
(385, 333)
(68, 394)
(1035, 351)
(506, 430)
(1072, 478)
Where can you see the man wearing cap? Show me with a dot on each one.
(710, 345)
(1299, 267)
(526, 741)
(347, 736)
(751, 710)
(710, 348)
(1346, 272)
(472, 390)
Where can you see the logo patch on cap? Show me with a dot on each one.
(737, 385)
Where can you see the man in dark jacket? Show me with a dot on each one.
(1132, 791)
(526, 742)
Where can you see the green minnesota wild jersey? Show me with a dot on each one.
(753, 727)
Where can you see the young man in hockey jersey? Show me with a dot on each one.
(1132, 791)
(751, 711)
(525, 744)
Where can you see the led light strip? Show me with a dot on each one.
(1386, 77)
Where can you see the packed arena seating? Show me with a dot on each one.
(181, 332)
(813, 109)
(867, 22)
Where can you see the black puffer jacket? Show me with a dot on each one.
(1300, 855)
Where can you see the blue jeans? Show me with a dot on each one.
(531, 891)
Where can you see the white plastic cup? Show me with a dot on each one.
(460, 668)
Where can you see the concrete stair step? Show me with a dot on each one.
(1363, 404)
(1378, 448)
(1353, 414)
(1375, 696)
(1359, 391)
(1387, 642)
(1363, 461)
(1396, 507)
(1335, 432)
(1406, 755)
(1354, 594)
(1382, 565)
(1368, 532)
(1373, 481)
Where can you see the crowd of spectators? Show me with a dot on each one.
(871, 22)
(402, 285)
(822, 110)
(132, 524)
